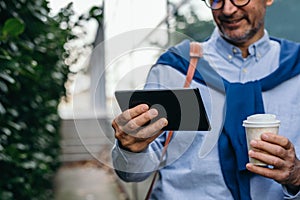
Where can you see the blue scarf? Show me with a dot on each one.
(242, 100)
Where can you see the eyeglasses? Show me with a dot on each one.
(218, 4)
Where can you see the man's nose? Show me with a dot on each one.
(229, 7)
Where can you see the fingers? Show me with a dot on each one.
(282, 176)
(269, 148)
(140, 141)
(275, 161)
(131, 133)
(146, 133)
(279, 152)
(130, 114)
(275, 174)
(276, 139)
(138, 145)
(151, 129)
(134, 125)
(273, 144)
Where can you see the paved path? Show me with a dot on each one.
(86, 183)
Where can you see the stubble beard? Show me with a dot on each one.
(241, 38)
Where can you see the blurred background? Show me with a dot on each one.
(60, 64)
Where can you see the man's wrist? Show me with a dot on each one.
(294, 187)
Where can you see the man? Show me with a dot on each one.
(240, 51)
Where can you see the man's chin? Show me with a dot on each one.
(236, 38)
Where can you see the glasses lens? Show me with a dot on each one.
(214, 4)
(218, 4)
(240, 2)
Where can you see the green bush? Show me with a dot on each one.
(32, 78)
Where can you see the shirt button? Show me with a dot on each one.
(229, 57)
(234, 50)
(244, 70)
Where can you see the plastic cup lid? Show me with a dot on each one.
(261, 120)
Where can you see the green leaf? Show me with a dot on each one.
(96, 12)
(2, 109)
(4, 55)
(14, 125)
(8, 78)
(13, 27)
(3, 87)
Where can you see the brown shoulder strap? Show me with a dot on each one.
(195, 53)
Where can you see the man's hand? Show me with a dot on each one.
(281, 155)
(128, 130)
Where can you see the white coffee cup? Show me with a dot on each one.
(257, 124)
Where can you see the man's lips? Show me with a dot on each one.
(232, 23)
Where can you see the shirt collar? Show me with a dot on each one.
(229, 51)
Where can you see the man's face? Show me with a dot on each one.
(241, 25)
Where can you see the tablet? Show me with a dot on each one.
(183, 108)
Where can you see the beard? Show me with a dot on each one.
(241, 34)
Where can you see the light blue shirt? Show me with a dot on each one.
(191, 169)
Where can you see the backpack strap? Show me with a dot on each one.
(196, 52)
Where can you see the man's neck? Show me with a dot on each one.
(244, 45)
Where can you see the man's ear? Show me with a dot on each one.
(269, 2)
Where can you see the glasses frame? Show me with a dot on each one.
(223, 3)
